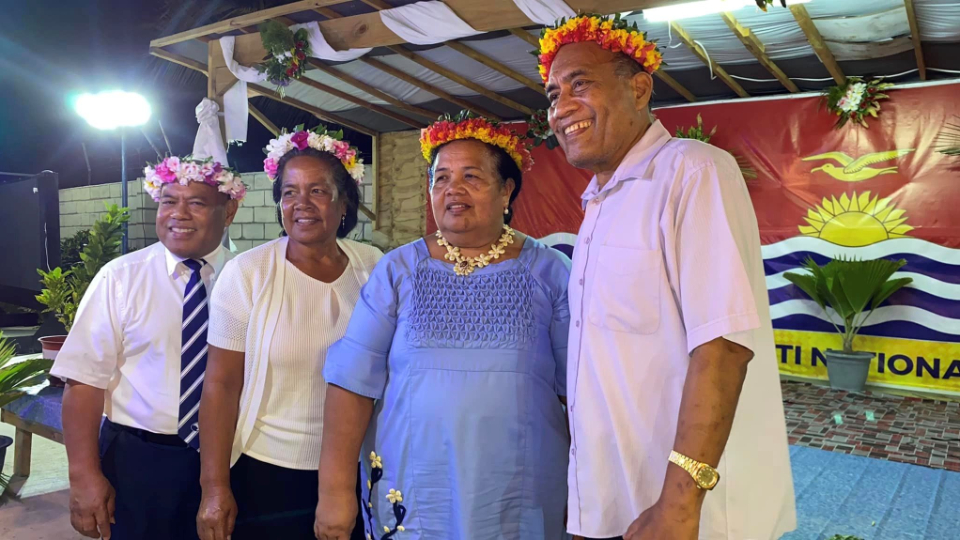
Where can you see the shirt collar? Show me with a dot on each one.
(214, 259)
(634, 164)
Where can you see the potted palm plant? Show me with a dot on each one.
(63, 289)
(14, 379)
(852, 290)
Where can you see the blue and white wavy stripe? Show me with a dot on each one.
(927, 309)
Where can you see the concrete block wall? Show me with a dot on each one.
(80, 207)
(401, 182)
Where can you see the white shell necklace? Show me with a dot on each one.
(464, 266)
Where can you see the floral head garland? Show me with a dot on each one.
(613, 34)
(187, 169)
(469, 126)
(317, 138)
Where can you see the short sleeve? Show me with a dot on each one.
(94, 344)
(230, 306)
(711, 237)
(358, 362)
(557, 277)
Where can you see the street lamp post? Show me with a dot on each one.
(115, 110)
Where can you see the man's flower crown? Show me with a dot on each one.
(611, 33)
(317, 138)
(187, 169)
(466, 125)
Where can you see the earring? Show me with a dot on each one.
(506, 210)
(343, 221)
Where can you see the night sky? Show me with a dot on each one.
(51, 50)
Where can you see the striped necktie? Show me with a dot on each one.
(193, 354)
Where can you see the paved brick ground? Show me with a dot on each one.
(909, 430)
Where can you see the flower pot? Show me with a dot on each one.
(50, 346)
(848, 371)
(4, 443)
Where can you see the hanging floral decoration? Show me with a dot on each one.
(762, 4)
(696, 132)
(614, 34)
(948, 140)
(856, 99)
(287, 53)
(539, 130)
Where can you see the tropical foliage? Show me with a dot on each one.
(63, 289)
(17, 377)
(697, 132)
(852, 289)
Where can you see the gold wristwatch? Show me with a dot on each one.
(704, 475)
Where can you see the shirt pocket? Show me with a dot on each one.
(626, 295)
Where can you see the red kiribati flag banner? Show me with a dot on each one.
(821, 192)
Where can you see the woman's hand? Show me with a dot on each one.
(336, 515)
(217, 514)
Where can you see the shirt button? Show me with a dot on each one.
(587, 241)
(573, 451)
(578, 324)
(581, 281)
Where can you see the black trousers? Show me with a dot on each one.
(157, 480)
(275, 502)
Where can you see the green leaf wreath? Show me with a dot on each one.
(539, 130)
(856, 99)
(948, 140)
(287, 53)
(762, 4)
(696, 132)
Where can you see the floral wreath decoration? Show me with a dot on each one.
(614, 34)
(318, 138)
(856, 99)
(173, 169)
(467, 125)
(287, 53)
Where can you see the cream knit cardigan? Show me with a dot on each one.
(263, 272)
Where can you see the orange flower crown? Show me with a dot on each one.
(613, 34)
(469, 126)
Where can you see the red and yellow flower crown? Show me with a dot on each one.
(469, 126)
(611, 33)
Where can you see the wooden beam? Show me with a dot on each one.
(677, 87)
(699, 53)
(368, 30)
(462, 81)
(377, 4)
(361, 102)
(353, 81)
(316, 111)
(494, 65)
(367, 212)
(250, 19)
(410, 79)
(262, 118)
(816, 41)
(328, 13)
(179, 60)
(758, 50)
(526, 36)
(915, 36)
(215, 62)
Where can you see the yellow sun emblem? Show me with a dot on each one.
(855, 221)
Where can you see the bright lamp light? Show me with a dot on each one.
(702, 7)
(113, 109)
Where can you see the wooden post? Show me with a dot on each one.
(22, 449)
(816, 41)
(699, 53)
(915, 37)
(758, 50)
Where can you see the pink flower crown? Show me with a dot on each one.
(317, 138)
(187, 169)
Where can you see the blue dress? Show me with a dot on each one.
(468, 439)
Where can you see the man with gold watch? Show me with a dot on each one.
(672, 436)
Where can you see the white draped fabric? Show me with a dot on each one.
(209, 143)
(545, 12)
(426, 23)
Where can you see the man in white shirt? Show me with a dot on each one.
(672, 435)
(127, 354)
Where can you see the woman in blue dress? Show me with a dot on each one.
(451, 377)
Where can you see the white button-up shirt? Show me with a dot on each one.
(127, 335)
(667, 259)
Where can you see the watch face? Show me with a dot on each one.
(707, 477)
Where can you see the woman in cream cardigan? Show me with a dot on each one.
(275, 311)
